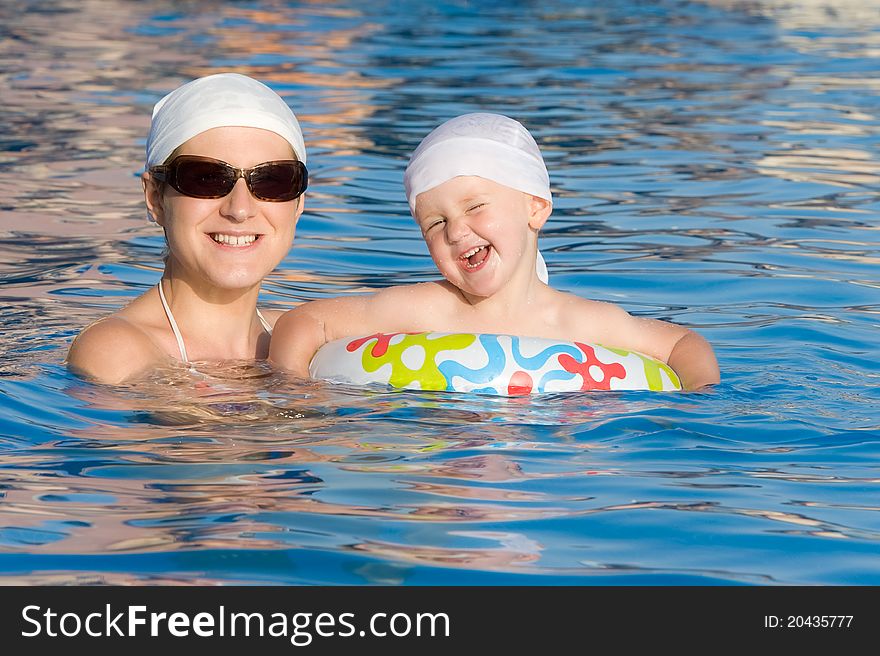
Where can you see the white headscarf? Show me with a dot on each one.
(221, 100)
(490, 146)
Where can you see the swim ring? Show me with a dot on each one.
(488, 364)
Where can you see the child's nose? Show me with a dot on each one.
(456, 230)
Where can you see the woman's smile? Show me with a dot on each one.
(237, 241)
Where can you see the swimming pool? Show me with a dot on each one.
(714, 163)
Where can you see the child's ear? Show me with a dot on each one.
(539, 212)
(153, 198)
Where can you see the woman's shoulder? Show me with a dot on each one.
(113, 349)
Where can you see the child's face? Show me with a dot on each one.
(478, 233)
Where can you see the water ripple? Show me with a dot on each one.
(713, 163)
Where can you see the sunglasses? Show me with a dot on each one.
(204, 177)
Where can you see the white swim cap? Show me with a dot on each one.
(214, 101)
(491, 146)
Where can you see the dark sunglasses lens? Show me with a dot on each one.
(203, 179)
(278, 181)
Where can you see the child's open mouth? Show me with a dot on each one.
(475, 258)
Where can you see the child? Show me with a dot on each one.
(480, 192)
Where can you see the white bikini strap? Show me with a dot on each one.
(173, 323)
(266, 326)
(263, 321)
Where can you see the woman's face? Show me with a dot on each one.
(231, 242)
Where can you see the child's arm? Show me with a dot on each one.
(693, 359)
(300, 332)
(689, 355)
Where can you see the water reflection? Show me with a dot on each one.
(514, 551)
(694, 181)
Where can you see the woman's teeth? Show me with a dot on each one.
(233, 240)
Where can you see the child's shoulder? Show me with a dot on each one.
(391, 308)
(589, 320)
(418, 294)
(610, 324)
(400, 297)
(414, 307)
(578, 307)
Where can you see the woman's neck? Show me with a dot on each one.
(217, 324)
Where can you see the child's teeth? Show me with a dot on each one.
(471, 253)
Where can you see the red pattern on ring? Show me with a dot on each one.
(383, 341)
(614, 370)
(520, 383)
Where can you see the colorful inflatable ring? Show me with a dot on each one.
(488, 364)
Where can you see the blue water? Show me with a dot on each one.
(714, 164)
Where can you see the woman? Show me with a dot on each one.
(224, 178)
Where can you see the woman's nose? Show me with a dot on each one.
(239, 205)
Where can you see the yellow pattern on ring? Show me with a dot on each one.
(652, 369)
(428, 376)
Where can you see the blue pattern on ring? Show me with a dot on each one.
(497, 362)
(493, 368)
(539, 360)
(562, 374)
(487, 390)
